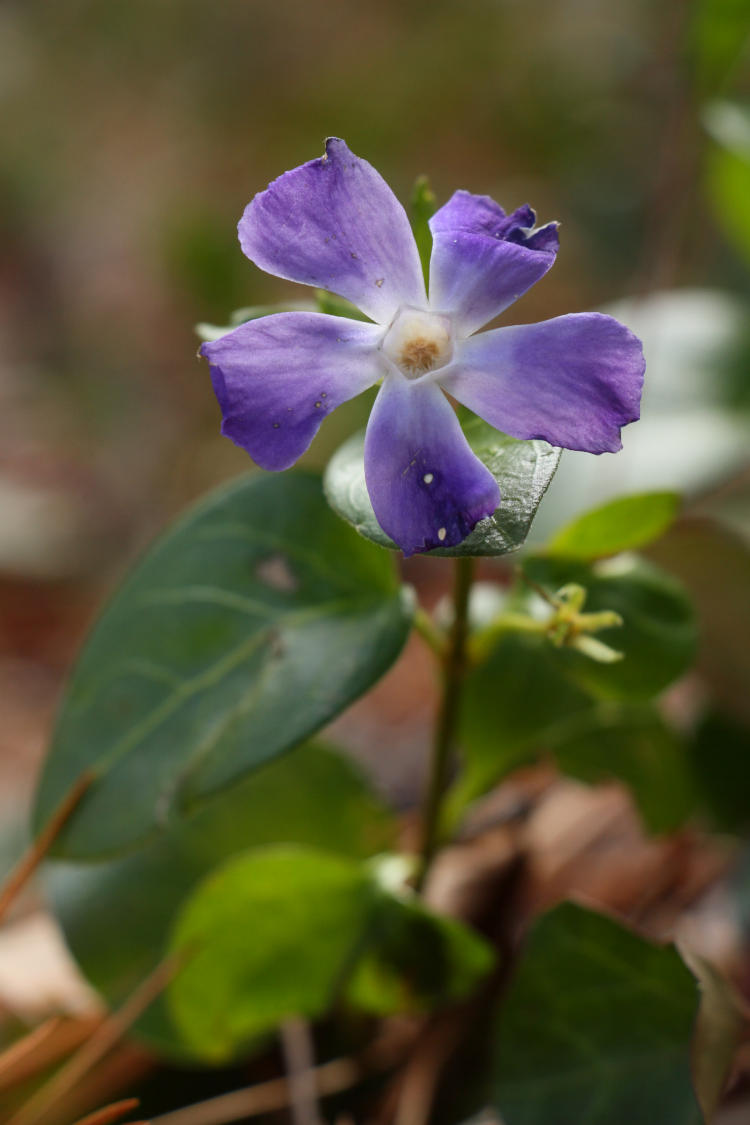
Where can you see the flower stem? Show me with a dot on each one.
(453, 668)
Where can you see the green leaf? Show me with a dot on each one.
(278, 932)
(621, 525)
(116, 914)
(207, 663)
(719, 1031)
(658, 636)
(523, 470)
(634, 745)
(422, 207)
(596, 1027)
(209, 332)
(720, 757)
(273, 934)
(334, 305)
(522, 702)
(719, 36)
(513, 704)
(418, 960)
(715, 567)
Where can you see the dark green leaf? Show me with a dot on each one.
(116, 914)
(632, 744)
(621, 525)
(522, 702)
(418, 960)
(278, 932)
(523, 470)
(720, 757)
(715, 567)
(595, 1028)
(207, 662)
(658, 636)
(513, 704)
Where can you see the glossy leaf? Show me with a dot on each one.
(278, 932)
(523, 470)
(622, 525)
(116, 914)
(207, 663)
(596, 1027)
(658, 636)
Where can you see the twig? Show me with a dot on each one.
(330, 1078)
(101, 1042)
(19, 1051)
(299, 1060)
(110, 1113)
(266, 1097)
(42, 1047)
(27, 865)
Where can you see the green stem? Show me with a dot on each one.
(453, 668)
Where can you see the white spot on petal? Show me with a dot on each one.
(428, 478)
(442, 533)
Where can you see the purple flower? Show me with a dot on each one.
(335, 223)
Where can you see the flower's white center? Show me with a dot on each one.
(418, 342)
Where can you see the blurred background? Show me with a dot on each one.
(133, 134)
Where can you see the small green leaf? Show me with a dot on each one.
(274, 933)
(333, 305)
(207, 662)
(280, 932)
(658, 637)
(116, 914)
(523, 470)
(418, 960)
(208, 332)
(422, 207)
(596, 1027)
(622, 525)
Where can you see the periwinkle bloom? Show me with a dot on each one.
(334, 223)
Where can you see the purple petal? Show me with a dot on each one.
(426, 486)
(573, 381)
(483, 260)
(277, 377)
(335, 223)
